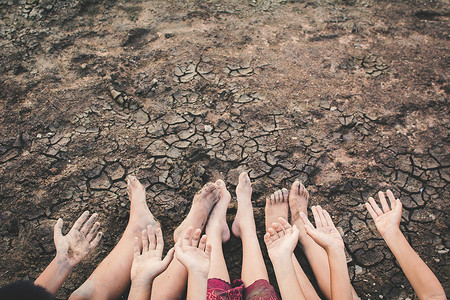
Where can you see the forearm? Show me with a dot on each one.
(54, 275)
(303, 280)
(197, 286)
(140, 290)
(340, 281)
(422, 279)
(287, 279)
(317, 258)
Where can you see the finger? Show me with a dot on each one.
(383, 202)
(151, 238)
(272, 198)
(87, 226)
(273, 234)
(323, 220)
(93, 231)
(306, 220)
(328, 218)
(267, 239)
(317, 219)
(159, 242)
(375, 206)
(137, 248)
(208, 250)
(80, 221)
(195, 237)
(391, 198)
(398, 205)
(279, 229)
(202, 243)
(285, 224)
(179, 245)
(187, 237)
(57, 230)
(372, 213)
(97, 239)
(295, 232)
(144, 239)
(168, 258)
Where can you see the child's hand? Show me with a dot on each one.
(281, 239)
(81, 239)
(195, 259)
(388, 220)
(325, 234)
(147, 263)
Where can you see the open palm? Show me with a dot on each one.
(325, 234)
(388, 218)
(80, 240)
(193, 252)
(281, 239)
(147, 262)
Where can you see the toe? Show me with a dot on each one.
(285, 193)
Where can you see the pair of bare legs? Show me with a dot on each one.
(253, 266)
(111, 278)
(278, 205)
(172, 283)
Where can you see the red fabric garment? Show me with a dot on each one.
(258, 290)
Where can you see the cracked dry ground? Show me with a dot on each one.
(350, 97)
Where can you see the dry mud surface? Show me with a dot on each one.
(349, 96)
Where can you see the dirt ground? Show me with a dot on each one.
(352, 97)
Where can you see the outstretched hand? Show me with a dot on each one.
(281, 239)
(147, 263)
(80, 240)
(325, 234)
(388, 219)
(194, 253)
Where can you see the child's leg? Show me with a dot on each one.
(253, 267)
(316, 255)
(277, 206)
(110, 279)
(171, 284)
(217, 232)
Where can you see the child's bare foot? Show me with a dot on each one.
(139, 212)
(217, 222)
(298, 202)
(276, 206)
(244, 216)
(203, 202)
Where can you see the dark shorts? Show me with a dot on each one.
(222, 290)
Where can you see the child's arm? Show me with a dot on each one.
(327, 236)
(147, 264)
(196, 260)
(70, 250)
(387, 221)
(281, 240)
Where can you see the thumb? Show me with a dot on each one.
(57, 230)
(168, 258)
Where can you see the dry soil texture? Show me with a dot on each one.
(349, 96)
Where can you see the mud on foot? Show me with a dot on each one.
(202, 205)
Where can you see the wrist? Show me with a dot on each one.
(198, 273)
(63, 264)
(335, 250)
(141, 284)
(391, 234)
